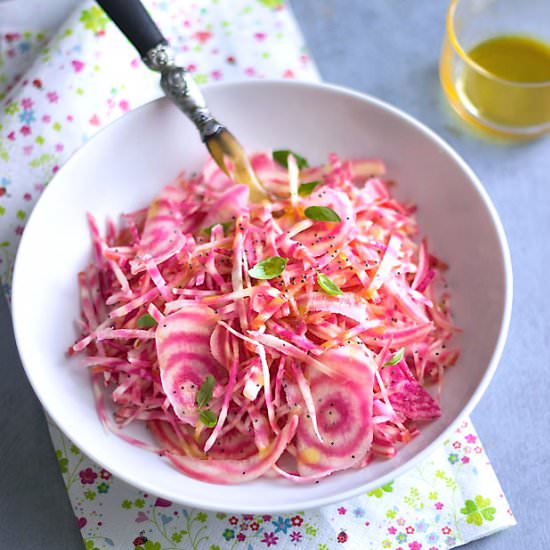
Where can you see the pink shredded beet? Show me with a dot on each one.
(292, 338)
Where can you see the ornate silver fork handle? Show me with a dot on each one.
(181, 88)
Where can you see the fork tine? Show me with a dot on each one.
(225, 144)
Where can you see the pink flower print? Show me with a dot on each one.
(470, 438)
(231, 60)
(39, 187)
(254, 526)
(456, 444)
(296, 521)
(478, 450)
(52, 97)
(342, 510)
(446, 530)
(392, 530)
(58, 147)
(105, 474)
(27, 197)
(216, 75)
(270, 539)
(233, 520)
(260, 36)
(135, 63)
(70, 118)
(46, 118)
(241, 537)
(94, 120)
(124, 105)
(250, 71)
(288, 74)
(55, 169)
(248, 517)
(191, 67)
(203, 36)
(111, 103)
(187, 23)
(465, 460)
(77, 65)
(266, 517)
(243, 526)
(12, 36)
(409, 529)
(11, 136)
(82, 521)
(27, 150)
(438, 506)
(27, 103)
(87, 476)
(37, 83)
(414, 545)
(295, 536)
(25, 130)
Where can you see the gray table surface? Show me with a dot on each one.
(388, 48)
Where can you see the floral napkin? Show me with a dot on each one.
(56, 91)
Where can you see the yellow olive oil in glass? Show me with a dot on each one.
(510, 87)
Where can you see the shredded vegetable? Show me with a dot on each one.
(293, 338)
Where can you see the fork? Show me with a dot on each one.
(131, 17)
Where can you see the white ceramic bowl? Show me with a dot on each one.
(123, 167)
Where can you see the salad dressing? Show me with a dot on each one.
(507, 84)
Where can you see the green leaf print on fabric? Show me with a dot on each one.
(477, 510)
(379, 493)
(63, 462)
(273, 4)
(94, 19)
(311, 530)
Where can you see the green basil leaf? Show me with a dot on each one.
(322, 214)
(395, 359)
(208, 230)
(269, 268)
(205, 391)
(146, 321)
(281, 157)
(208, 418)
(328, 286)
(307, 188)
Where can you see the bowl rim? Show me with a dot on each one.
(209, 504)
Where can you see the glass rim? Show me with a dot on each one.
(451, 34)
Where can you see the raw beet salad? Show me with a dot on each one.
(293, 338)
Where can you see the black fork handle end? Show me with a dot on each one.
(131, 17)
